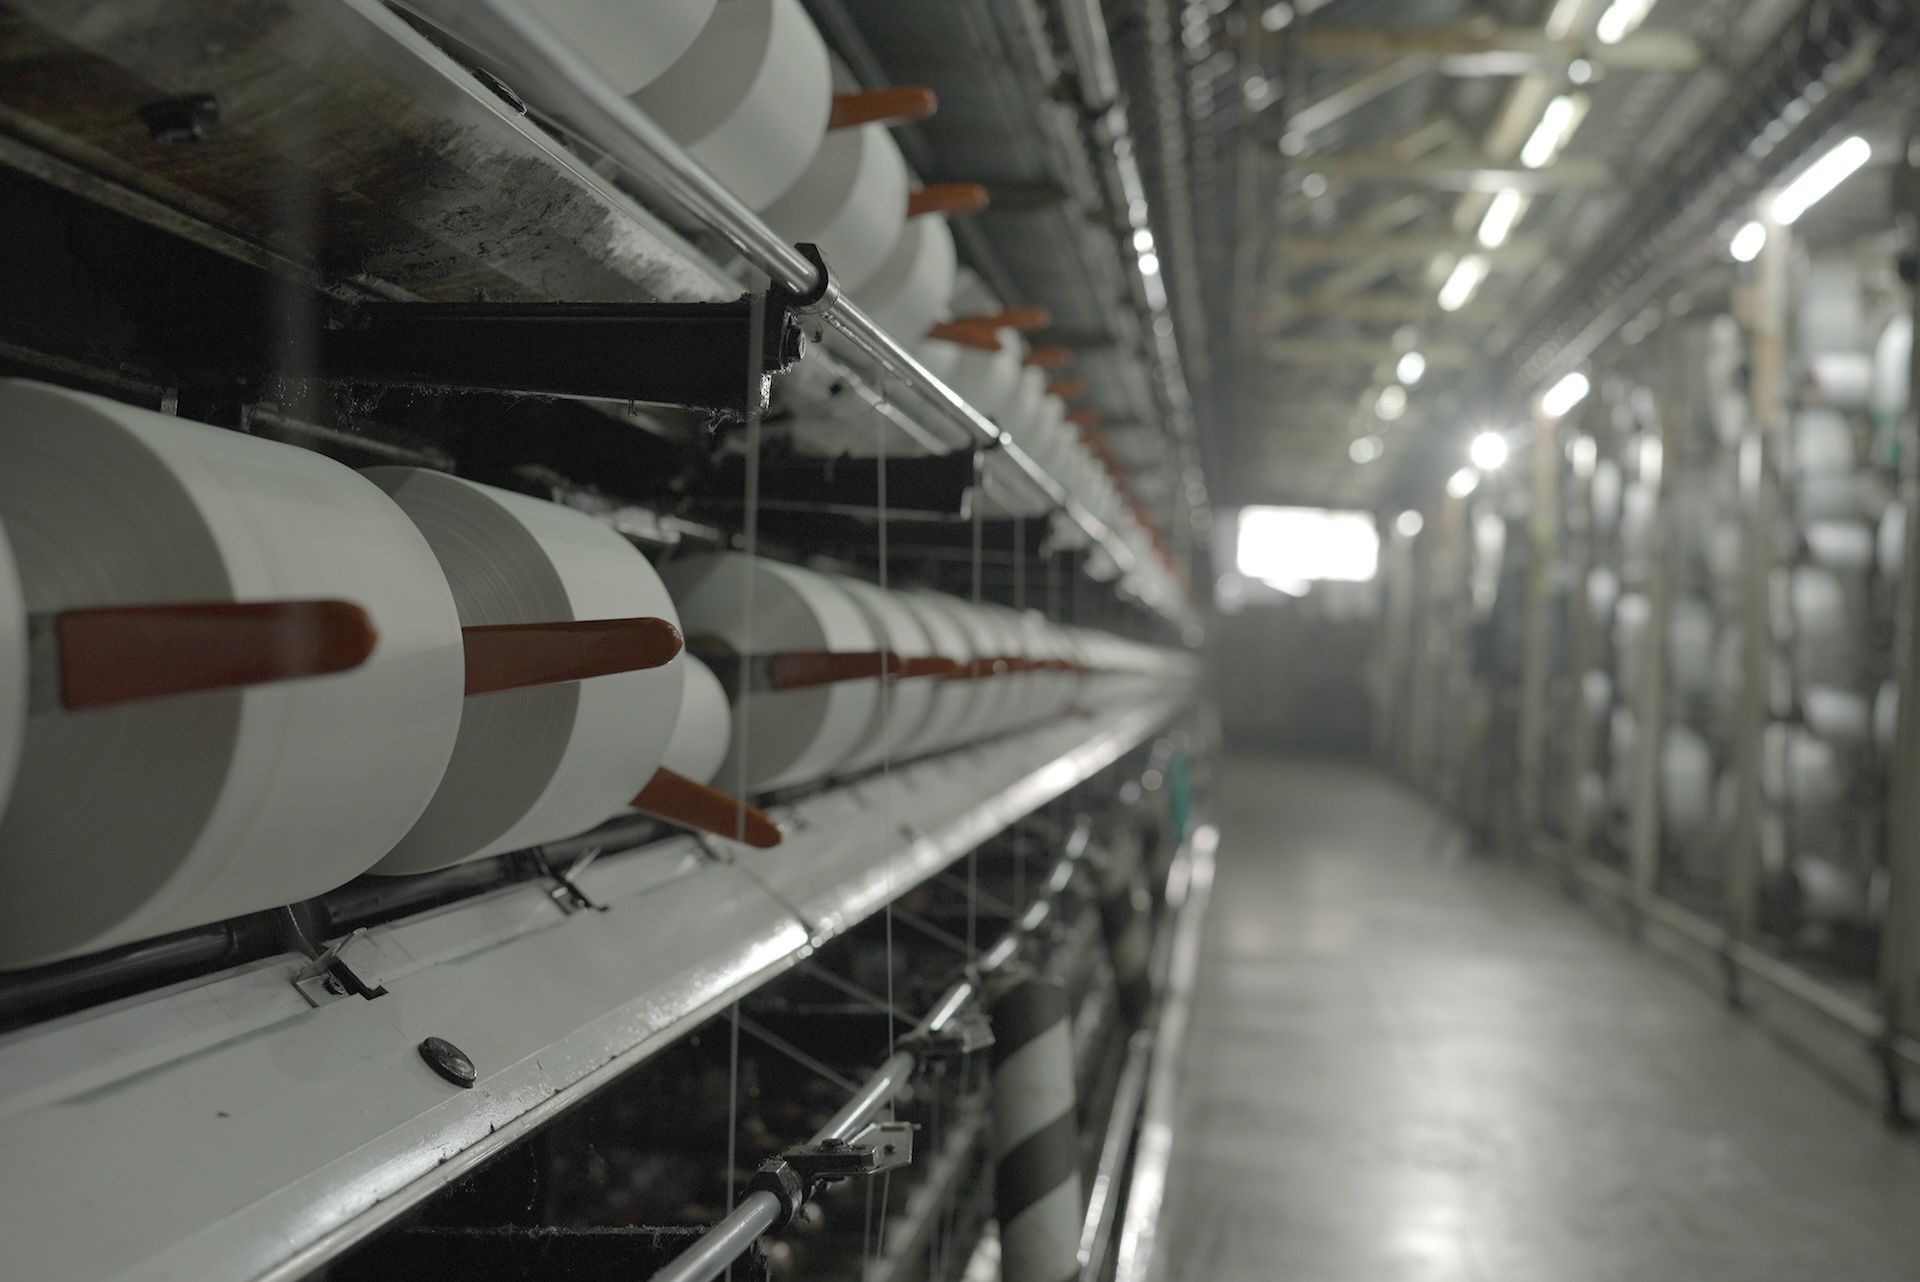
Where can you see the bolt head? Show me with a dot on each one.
(448, 1060)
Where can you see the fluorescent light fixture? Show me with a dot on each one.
(1822, 177)
(1565, 394)
(1466, 277)
(1142, 241)
(1365, 449)
(1488, 451)
(1409, 523)
(1286, 546)
(1149, 264)
(1557, 123)
(1506, 209)
(1463, 482)
(1620, 19)
(1391, 403)
(1411, 369)
(1748, 242)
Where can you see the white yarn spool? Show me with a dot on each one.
(952, 705)
(1890, 542)
(1596, 689)
(632, 45)
(1843, 379)
(1630, 618)
(749, 99)
(1686, 785)
(782, 737)
(1023, 408)
(1825, 642)
(987, 380)
(1593, 799)
(13, 669)
(912, 288)
(1803, 770)
(909, 703)
(1623, 740)
(1892, 368)
(1844, 547)
(1841, 717)
(1730, 412)
(137, 820)
(1603, 594)
(1639, 508)
(1831, 892)
(1886, 715)
(852, 202)
(546, 762)
(1690, 646)
(1604, 492)
(1822, 445)
(701, 732)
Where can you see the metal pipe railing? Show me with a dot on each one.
(757, 1212)
(546, 70)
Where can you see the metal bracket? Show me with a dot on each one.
(796, 1176)
(565, 891)
(349, 965)
(968, 1033)
(691, 354)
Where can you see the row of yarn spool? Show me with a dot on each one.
(1832, 563)
(236, 674)
(748, 89)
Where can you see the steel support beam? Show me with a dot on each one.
(1390, 309)
(1349, 96)
(1459, 172)
(1299, 251)
(1338, 351)
(1474, 50)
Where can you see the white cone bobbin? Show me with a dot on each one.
(550, 761)
(750, 98)
(852, 202)
(1036, 1135)
(781, 737)
(909, 702)
(233, 800)
(700, 735)
(911, 289)
(952, 700)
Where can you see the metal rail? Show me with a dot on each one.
(758, 1212)
(551, 74)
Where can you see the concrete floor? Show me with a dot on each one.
(1409, 1068)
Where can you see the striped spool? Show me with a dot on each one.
(1036, 1134)
(1126, 914)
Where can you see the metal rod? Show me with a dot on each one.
(1103, 1200)
(755, 1214)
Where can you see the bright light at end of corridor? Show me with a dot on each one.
(1296, 545)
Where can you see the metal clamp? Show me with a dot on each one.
(347, 966)
(796, 1176)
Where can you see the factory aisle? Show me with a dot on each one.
(1405, 1068)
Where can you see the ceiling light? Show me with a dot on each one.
(1621, 17)
(1366, 449)
(1391, 403)
(1557, 123)
(1142, 241)
(1149, 264)
(1411, 369)
(1825, 174)
(1463, 482)
(1409, 523)
(1748, 242)
(1466, 277)
(1580, 71)
(1565, 394)
(1488, 451)
(1505, 210)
